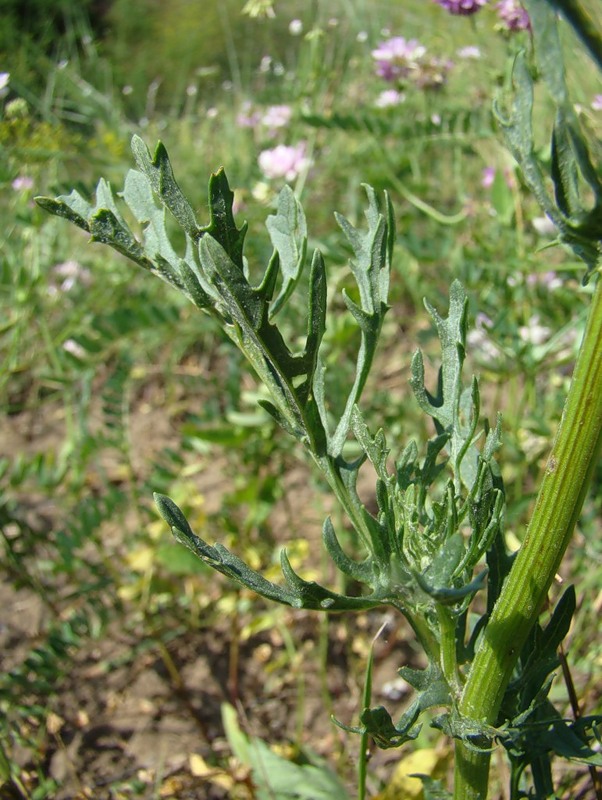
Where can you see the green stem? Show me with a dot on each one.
(557, 508)
(421, 626)
(448, 661)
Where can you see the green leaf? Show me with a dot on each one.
(299, 593)
(371, 268)
(585, 24)
(454, 408)
(72, 207)
(432, 789)
(179, 561)
(378, 724)
(361, 571)
(579, 226)
(5, 771)
(276, 777)
(107, 228)
(288, 233)
(222, 226)
(432, 691)
(160, 175)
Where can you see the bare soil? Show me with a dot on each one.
(139, 702)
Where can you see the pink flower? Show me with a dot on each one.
(284, 161)
(277, 116)
(462, 7)
(487, 177)
(513, 15)
(597, 103)
(479, 341)
(549, 280)
(397, 57)
(22, 184)
(247, 117)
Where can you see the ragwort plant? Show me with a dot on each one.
(436, 540)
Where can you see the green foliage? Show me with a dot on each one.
(572, 170)
(412, 552)
(472, 123)
(417, 560)
(429, 535)
(274, 776)
(419, 539)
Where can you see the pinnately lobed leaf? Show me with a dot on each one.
(420, 553)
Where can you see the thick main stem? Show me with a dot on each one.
(557, 508)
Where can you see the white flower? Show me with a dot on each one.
(295, 27)
(277, 116)
(534, 333)
(544, 226)
(74, 348)
(471, 51)
(265, 64)
(479, 341)
(69, 274)
(390, 97)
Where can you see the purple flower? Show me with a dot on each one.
(397, 57)
(284, 162)
(513, 15)
(597, 102)
(462, 7)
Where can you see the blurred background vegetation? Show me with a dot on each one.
(112, 387)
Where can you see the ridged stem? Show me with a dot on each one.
(557, 508)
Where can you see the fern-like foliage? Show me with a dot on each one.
(456, 123)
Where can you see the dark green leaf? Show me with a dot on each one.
(222, 226)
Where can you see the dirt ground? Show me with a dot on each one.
(137, 711)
